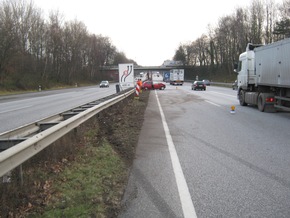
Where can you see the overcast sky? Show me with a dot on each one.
(148, 31)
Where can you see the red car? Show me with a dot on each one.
(156, 85)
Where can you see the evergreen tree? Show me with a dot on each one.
(282, 29)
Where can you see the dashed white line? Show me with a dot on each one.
(16, 109)
(184, 195)
(212, 103)
(232, 96)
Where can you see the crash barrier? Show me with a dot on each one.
(215, 83)
(221, 84)
(27, 148)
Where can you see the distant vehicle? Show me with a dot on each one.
(235, 85)
(198, 85)
(104, 83)
(176, 77)
(147, 85)
(206, 82)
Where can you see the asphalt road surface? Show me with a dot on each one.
(209, 162)
(18, 110)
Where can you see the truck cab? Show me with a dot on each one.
(246, 69)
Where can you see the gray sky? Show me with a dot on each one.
(148, 31)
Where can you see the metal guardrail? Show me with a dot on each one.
(216, 83)
(222, 84)
(16, 155)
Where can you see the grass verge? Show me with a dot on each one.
(89, 186)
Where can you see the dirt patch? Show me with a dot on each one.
(118, 127)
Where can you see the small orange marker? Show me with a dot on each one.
(233, 108)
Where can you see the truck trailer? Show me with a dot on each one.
(176, 76)
(264, 76)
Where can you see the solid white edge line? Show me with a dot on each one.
(183, 191)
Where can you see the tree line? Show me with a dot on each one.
(262, 22)
(36, 51)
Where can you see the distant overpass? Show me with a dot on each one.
(144, 68)
(114, 70)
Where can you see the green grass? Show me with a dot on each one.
(85, 188)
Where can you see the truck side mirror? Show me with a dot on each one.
(235, 67)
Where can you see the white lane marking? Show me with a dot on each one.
(16, 109)
(212, 103)
(233, 96)
(184, 195)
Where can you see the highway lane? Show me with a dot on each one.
(18, 110)
(235, 165)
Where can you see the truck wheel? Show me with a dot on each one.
(261, 102)
(262, 106)
(242, 98)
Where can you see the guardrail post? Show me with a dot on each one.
(21, 175)
(6, 178)
(117, 88)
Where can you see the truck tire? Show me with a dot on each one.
(262, 106)
(261, 102)
(242, 98)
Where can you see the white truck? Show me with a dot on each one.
(176, 76)
(264, 76)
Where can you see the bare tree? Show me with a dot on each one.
(201, 46)
(285, 9)
(256, 21)
(8, 39)
(53, 47)
(35, 51)
(25, 15)
(270, 20)
(74, 37)
(18, 19)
